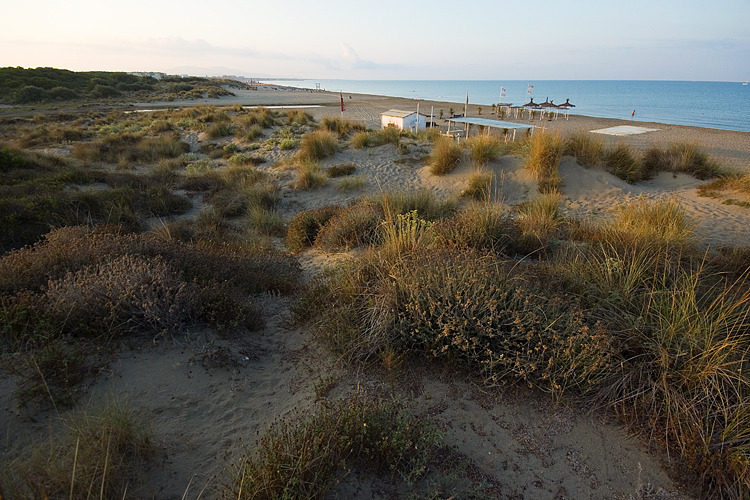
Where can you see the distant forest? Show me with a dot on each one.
(49, 85)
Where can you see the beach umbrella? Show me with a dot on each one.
(566, 104)
(531, 104)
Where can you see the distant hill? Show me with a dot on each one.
(49, 85)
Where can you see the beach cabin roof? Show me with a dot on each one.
(397, 113)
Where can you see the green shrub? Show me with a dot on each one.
(220, 130)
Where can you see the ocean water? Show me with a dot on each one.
(721, 105)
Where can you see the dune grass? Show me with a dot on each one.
(543, 160)
(444, 157)
(317, 145)
(484, 149)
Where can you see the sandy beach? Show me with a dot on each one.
(200, 410)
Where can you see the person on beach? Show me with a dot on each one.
(633, 114)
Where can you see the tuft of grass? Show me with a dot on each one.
(734, 182)
(483, 225)
(543, 160)
(444, 156)
(479, 185)
(587, 149)
(483, 149)
(680, 157)
(427, 205)
(317, 145)
(662, 221)
(540, 218)
(349, 184)
(354, 226)
(623, 162)
(105, 452)
(341, 127)
(310, 176)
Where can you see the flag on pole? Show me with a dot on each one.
(466, 107)
(502, 91)
(528, 91)
(342, 101)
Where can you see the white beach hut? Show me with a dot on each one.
(403, 120)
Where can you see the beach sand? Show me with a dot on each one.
(204, 413)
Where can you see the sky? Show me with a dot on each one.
(387, 39)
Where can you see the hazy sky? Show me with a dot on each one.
(387, 39)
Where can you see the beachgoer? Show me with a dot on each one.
(632, 115)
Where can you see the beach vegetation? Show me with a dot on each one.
(304, 227)
(104, 451)
(543, 158)
(587, 148)
(444, 157)
(483, 149)
(680, 158)
(302, 457)
(310, 175)
(479, 185)
(350, 184)
(623, 162)
(317, 145)
(352, 227)
(341, 170)
(340, 126)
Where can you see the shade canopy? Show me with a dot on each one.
(486, 122)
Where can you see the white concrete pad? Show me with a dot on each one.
(624, 130)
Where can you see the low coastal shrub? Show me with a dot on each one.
(482, 225)
(444, 157)
(304, 227)
(302, 457)
(479, 185)
(354, 226)
(341, 127)
(349, 184)
(427, 205)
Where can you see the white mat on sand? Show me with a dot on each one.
(624, 130)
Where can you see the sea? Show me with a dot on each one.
(719, 105)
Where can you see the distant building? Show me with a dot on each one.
(152, 74)
(403, 120)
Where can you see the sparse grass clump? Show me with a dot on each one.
(341, 170)
(310, 176)
(540, 217)
(302, 459)
(445, 156)
(341, 127)
(625, 163)
(662, 221)
(543, 160)
(483, 149)
(105, 452)
(479, 185)
(130, 147)
(428, 206)
(587, 149)
(680, 157)
(349, 184)
(317, 145)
